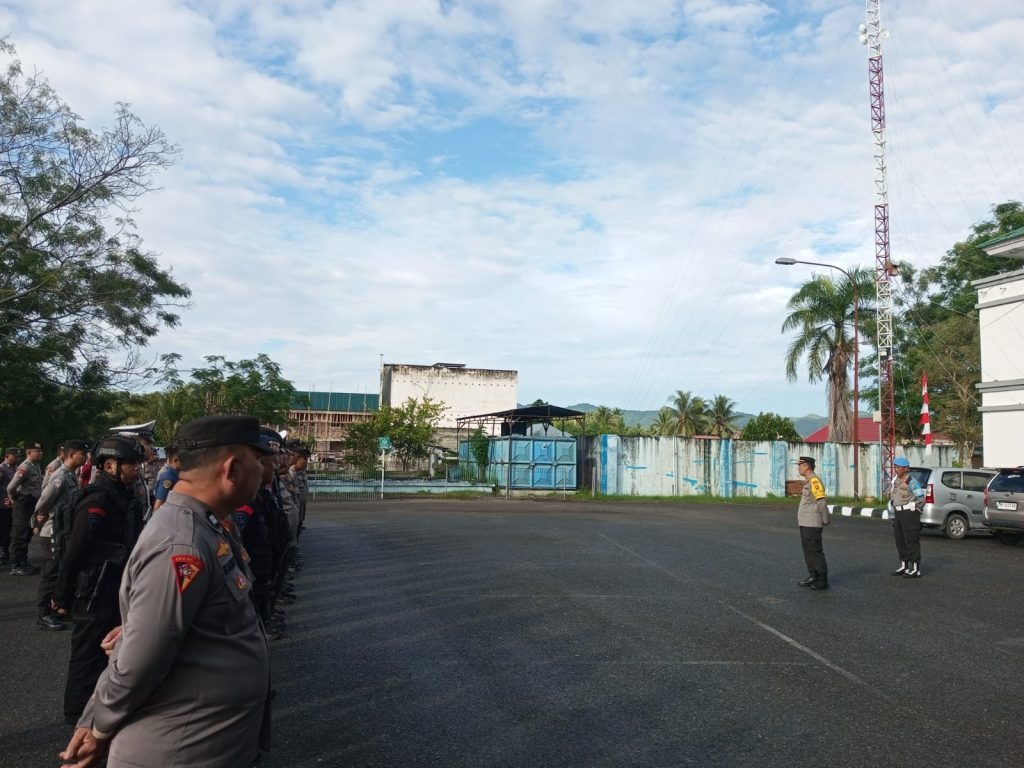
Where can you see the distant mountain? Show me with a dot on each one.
(804, 425)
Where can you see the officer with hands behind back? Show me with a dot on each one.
(812, 515)
(24, 490)
(905, 498)
(188, 681)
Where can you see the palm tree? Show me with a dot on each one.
(690, 412)
(666, 423)
(722, 415)
(821, 313)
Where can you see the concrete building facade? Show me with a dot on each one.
(1001, 320)
(465, 391)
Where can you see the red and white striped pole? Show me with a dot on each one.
(926, 419)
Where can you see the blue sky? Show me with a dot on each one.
(591, 193)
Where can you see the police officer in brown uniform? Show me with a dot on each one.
(812, 516)
(187, 683)
(53, 521)
(25, 489)
(905, 497)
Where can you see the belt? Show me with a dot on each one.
(905, 507)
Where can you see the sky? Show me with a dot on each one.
(590, 192)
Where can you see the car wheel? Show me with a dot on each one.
(1004, 537)
(956, 526)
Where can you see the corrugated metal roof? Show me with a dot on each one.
(338, 402)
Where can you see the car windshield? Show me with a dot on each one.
(1009, 482)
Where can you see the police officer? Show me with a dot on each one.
(187, 683)
(167, 476)
(297, 472)
(812, 515)
(24, 489)
(7, 470)
(905, 498)
(105, 525)
(54, 465)
(253, 522)
(53, 522)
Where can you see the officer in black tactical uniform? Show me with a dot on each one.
(106, 523)
(254, 520)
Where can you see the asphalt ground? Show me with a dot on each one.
(551, 633)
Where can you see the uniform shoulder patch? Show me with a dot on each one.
(186, 568)
(241, 582)
(97, 512)
(168, 484)
(817, 489)
(223, 548)
(20, 473)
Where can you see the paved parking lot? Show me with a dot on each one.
(528, 633)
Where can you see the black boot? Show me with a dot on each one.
(913, 571)
(901, 570)
(820, 581)
(48, 621)
(808, 581)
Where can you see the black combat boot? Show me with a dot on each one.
(48, 621)
(820, 581)
(901, 570)
(913, 571)
(809, 580)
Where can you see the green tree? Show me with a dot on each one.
(76, 285)
(721, 415)
(666, 423)
(410, 426)
(822, 314)
(770, 426)
(479, 449)
(600, 421)
(691, 413)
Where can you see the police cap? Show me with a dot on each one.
(808, 460)
(217, 430)
(12, 451)
(34, 446)
(902, 461)
(76, 445)
(270, 439)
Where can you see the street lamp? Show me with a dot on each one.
(788, 262)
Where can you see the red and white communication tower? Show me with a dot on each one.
(871, 35)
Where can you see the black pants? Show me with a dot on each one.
(47, 575)
(907, 529)
(814, 555)
(21, 528)
(87, 660)
(6, 514)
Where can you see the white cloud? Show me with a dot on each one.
(621, 247)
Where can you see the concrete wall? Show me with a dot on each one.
(672, 466)
(466, 391)
(1002, 387)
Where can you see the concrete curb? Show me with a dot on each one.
(877, 512)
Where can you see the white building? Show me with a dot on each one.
(1001, 320)
(465, 391)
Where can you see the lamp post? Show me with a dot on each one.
(787, 262)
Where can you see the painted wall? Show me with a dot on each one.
(466, 391)
(672, 466)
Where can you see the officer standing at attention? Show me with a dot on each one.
(812, 516)
(24, 489)
(297, 472)
(53, 522)
(7, 469)
(54, 465)
(188, 681)
(105, 525)
(905, 495)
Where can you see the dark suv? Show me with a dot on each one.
(1004, 505)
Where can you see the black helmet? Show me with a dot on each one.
(118, 447)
